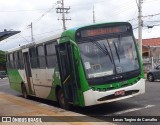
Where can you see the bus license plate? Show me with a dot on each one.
(122, 92)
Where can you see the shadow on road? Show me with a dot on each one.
(98, 110)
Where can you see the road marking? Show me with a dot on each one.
(131, 110)
(4, 84)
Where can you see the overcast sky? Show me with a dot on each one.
(18, 14)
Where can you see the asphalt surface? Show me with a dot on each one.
(5, 87)
(147, 104)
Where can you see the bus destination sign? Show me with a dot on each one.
(103, 31)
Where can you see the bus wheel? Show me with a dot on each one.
(24, 92)
(61, 101)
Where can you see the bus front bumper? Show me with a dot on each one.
(96, 97)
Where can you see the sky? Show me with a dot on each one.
(17, 15)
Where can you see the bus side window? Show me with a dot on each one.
(15, 60)
(11, 61)
(20, 60)
(51, 55)
(8, 61)
(41, 56)
(33, 57)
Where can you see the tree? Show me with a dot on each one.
(2, 60)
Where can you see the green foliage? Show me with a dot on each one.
(2, 58)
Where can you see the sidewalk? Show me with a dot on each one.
(16, 106)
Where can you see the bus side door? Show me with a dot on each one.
(65, 64)
(28, 71)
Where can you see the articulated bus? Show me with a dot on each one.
(83, 66)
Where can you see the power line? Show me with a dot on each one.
(12, 11)
(122, 10)
(45, 13)
(37, 34)
(133, 19)
(147, 1)
(118, 12)
(151, 15)
(154, 21)
(151, 26)
(37, 20)
(135, 28)
(124, 7)
(25, 37)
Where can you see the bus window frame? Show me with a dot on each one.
(110, 79)
(40, 56)
(15, 60)
(35, 57)
(51, 55)
(20, 60)
(11, 61)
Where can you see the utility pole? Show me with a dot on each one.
(31, 26)
(140, 24)
(63, 10)
(94, 21)
(32, 32)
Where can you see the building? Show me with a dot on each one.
(151, 47)
(151, 53)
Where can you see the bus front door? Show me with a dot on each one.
(27, 70)
(65, 64)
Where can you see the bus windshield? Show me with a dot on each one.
(105, 57)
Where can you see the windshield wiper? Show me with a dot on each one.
(111, 54)
(108, 52)
(105, 51)
(119, 42)
(116, 51)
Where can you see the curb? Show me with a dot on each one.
(19, 107)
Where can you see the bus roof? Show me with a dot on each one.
(35, 43)
(69, 33)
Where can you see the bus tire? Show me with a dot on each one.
(61, 101)
(150, 77)
(24, 91)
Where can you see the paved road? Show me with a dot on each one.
(147, 104)
(4, 87)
